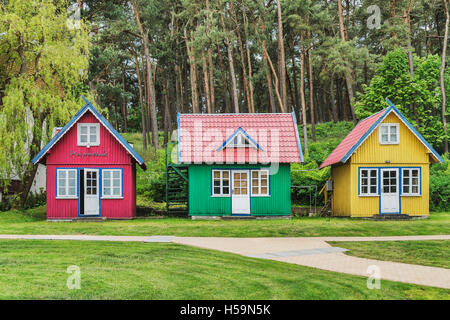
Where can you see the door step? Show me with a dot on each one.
(89, 219)
(238, 218)
(391, 217)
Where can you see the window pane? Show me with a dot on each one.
(107, 174)
(71, 182)
(384, 130)
(373, 173)
(107, 191)
(386, 174)
(363, 173)
(415, 181)
(393, 174)
(405, 189)
(107, 183)
(264, 182)
(373, 189)
(62, 191)
(244, 183)
(72, 174)
(84, 130)
(92, 138)
(393, 182)
(93, 130)
(116, 174)
(386, 189)
(393, 129)
(237, 191)
(264, 190)
(384, 138)
(393, 189)
(116, 183)
(393, 138)
(415, 173)
(243, 190)
(415, 189)
(255, 190)
(226, 190)
(225, 183)
(225, 174)
(405, 181)
(254, 174)
(255, 182)
(406, 173)
(116, 191)
(62, 174)
(83, 138)
(62, 182)
(364, 181)
(373, 181)
(216, 190)
(72, 191)
(364, 189)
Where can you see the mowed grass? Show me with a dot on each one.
(33, 222)
(36, 269)
(434, 253)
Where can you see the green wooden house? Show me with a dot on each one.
(233, 164)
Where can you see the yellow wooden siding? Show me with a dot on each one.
(367, 206)
(410, 150)
(341, 190)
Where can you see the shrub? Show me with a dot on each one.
(440, 186)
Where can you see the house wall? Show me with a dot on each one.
(341, 190)
(110, 208)
(61, 156)
(410, 152)
(202, 203)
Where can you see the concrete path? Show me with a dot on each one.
(317, 253)
(308, 251)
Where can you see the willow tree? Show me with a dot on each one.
(43, 61)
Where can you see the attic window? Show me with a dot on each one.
(389, 133)
(240, 140)
(88, 134)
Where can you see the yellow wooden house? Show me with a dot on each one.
(381, 167)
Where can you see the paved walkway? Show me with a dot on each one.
(308, 251)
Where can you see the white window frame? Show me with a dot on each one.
(67, 195)
(259, 194)
(419, 181)
(389, 126)
(221, 194)
(111, 196)
(369, 185)
(88, 143)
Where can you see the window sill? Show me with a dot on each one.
(67, 198)
(260, 195)
(368, 195)
(389, 143)
(220, 196)
(411, 195)
(111, 198)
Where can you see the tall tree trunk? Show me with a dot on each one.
(294, 74)
(193, 72)
(206, 83)
(138, 74)
(334, 111)
(151, 104)
(249, 61)
(406, 15)
(282, 62)
(227, 106)
(124, 103)
(348, 80)
(444, 52)
(311, 97)
(302, 93)
(210, 64)
(231, 65)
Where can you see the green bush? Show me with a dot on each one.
(440, 186)
(35, 199)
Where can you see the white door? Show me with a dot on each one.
(240, 196)
(390, 201)
(91, 192)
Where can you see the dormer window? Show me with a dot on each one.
(240, 139)
(389, 133)
(88, 134)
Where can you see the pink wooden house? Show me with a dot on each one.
(91, 170)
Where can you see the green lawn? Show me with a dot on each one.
(433, 253)
(33, 222)
(37, 270)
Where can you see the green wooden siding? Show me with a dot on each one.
(202, 203)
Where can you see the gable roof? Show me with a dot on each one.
(202, 138)
(363, 129)
(89, 107)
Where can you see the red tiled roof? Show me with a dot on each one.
(351, 139)
(201, 136)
